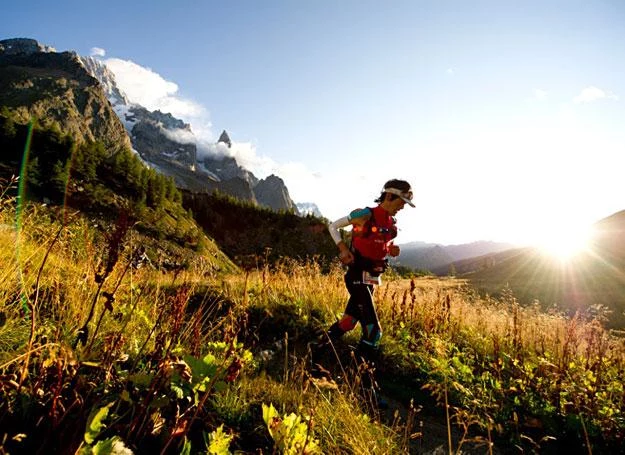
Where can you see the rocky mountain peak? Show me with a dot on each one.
(226, 167)
(272, 192)
(225, 139)
(15, 46)
(78, 92)
(169, 121)
(308, 208)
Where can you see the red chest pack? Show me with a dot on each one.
(372, 239)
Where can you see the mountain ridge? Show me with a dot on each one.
(169, 144)
(436, 256)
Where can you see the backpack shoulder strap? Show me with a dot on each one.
(360, 213)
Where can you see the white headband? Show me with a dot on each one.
(405, 196)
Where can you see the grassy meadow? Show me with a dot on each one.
(104, 352)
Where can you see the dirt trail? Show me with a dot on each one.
(432, 427)
(428, 419)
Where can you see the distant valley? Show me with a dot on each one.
(438, 258)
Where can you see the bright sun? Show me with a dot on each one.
(564, 242)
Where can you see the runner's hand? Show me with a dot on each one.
(346, 257)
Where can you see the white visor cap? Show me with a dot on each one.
(406, 196)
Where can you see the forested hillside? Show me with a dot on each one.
(86, 177)
(242, 229)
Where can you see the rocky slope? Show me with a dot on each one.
(56, 89)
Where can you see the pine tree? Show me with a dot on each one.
(58, 178)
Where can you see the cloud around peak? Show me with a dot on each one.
(97, 52)
(149, 89)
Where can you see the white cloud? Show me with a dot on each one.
(246, 156)
(450, 71)
(303, 182)
(179, 135)
(151, 90)
(97, 52)
(244, 152)
(590, 94)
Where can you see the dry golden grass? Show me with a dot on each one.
(451, 306)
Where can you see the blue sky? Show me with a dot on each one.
(508, 118)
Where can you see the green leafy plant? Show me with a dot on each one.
(95, 426)
(218, 442)
(291, 434)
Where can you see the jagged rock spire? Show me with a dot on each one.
(225, 139)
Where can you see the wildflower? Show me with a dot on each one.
(233, 370)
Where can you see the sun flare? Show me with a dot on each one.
(565, 243)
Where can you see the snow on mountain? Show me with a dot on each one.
(308, 208)
(168, 144)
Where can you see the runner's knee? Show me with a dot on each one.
(347, 323)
